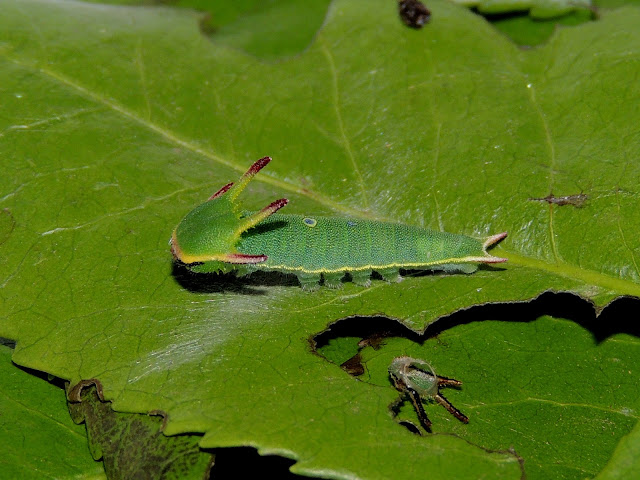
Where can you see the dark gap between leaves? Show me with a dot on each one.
(245, 462)
(53, 380)
(7, 342)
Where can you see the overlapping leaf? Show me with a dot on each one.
(32, 413)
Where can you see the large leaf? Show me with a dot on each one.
(116, 121)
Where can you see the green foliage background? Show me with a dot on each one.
(117, 120)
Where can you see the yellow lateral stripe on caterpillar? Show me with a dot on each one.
(406, 266)
(218, 236)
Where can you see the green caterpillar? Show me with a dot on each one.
(218, 236)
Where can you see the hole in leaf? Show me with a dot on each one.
(355, 333)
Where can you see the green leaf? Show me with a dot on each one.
(116, 121)
(269, 30)
(624, 461)
(32, 414)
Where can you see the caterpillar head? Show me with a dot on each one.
(206, 239)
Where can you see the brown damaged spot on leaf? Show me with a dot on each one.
(353, 366)
(576, 200)
(74, 394)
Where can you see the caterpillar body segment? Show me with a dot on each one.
(218, 236)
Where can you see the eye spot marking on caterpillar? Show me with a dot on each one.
(310, 222)
(219, 236)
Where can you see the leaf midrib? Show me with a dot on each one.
(186, 144)
(563, 269)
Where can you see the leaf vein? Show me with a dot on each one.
(345, 140)
(552, 165)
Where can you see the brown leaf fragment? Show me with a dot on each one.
(576, 200)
